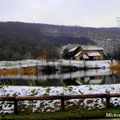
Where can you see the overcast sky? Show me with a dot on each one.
(96, 13)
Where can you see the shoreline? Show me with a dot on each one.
(33, 67)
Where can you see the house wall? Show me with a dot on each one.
(77, 57)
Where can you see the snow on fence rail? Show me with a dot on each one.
(15, 99)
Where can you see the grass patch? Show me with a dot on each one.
(66, 115)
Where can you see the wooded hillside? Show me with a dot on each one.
(28, 40)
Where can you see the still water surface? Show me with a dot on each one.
(94, 76)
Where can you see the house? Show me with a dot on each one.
(86, 52)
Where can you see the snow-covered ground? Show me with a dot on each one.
(81, 64)
(88, 64)
(53, 105)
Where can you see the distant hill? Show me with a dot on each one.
(28, 40)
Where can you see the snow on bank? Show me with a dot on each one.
(87, 64)
(60, 62)
(53, 105)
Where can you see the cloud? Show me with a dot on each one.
(69, 12)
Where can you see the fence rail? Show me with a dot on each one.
(15, 99)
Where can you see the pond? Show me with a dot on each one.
(83, 77)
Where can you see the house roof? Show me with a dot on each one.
(73, 49)
(91, 47)
(78, 54)
(86, 47)
(90, 54)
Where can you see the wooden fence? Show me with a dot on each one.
(57, 97)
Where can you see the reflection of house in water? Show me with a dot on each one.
(99, 79)
(85, 52)
(90, 79)
(72, 81)
(111, 79)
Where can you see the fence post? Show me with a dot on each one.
(15, 106)
(62, 103)
(107, 101)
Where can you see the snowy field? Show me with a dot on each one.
(53, 105)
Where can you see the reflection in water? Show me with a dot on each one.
(95, 76)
